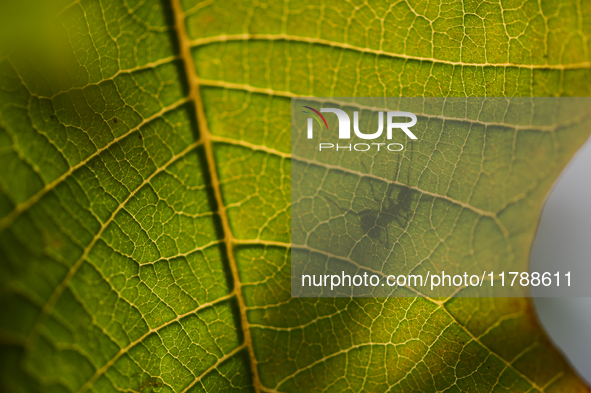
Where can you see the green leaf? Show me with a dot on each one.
(145, 194)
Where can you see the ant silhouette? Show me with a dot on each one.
(393, 208)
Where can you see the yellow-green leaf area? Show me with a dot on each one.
(146, 186)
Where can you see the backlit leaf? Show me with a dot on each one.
(145, 193)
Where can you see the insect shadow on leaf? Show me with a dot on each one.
(394, 208)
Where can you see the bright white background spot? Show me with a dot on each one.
(564, 238)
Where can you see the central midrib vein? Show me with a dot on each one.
(206, 139)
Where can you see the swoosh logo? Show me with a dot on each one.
(315, 116)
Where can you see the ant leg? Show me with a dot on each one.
(329, 199)
(389, 198)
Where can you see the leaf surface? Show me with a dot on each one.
(145, 195)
